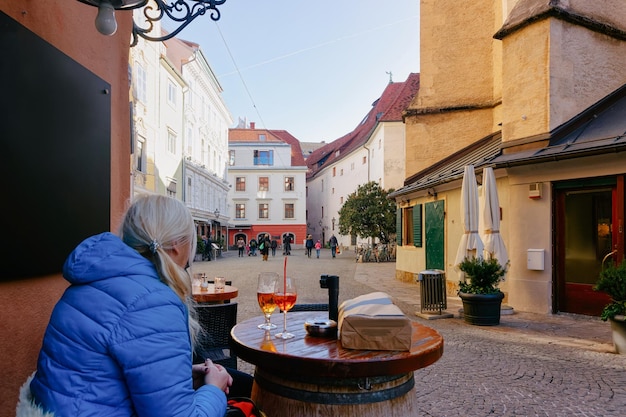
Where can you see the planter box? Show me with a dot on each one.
(482, 309)
(618, 328)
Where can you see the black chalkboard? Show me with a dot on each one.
(55, 130)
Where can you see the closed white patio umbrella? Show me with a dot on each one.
(471, 244)
(490, 220)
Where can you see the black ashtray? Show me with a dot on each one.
(321, 327)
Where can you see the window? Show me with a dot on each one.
(189, 193)
(262, 137)
(190, 91)
(140, 153)
(334, 171)
(289, 211)
(140, 85)
(352, 166)
(240, 184)
(365, 159)
(341, 171)
(341, 200)
(332, 190)
(264, 211)
(189, 139)
(417, 225)
(289, 183)
(171, 142)
(407, 227)
(264, 184)
(231, 158)
(171, 92)
(240, 211)
(263, 157)
(171, 188)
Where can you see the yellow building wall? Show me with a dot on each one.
(454, 56)
(554, 70)
(432, 137)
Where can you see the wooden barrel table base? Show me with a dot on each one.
(391, 396)
(336, 390)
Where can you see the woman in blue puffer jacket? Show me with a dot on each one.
(119, 342)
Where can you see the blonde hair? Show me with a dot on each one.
(152, 225)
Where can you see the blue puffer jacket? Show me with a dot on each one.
(118, 342)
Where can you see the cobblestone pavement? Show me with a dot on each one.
(529, 365)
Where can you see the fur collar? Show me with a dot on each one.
(26, 407)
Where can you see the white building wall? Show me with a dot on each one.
(381, 159)
(145, 81)
(276, 196)
(206, 141)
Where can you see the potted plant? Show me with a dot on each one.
(612, 280)
(200, 246)
(481, 297)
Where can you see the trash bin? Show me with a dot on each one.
(432, 290)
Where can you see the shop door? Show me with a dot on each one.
(588, 230)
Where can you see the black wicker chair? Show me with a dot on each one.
(216, 320)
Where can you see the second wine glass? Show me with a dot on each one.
(265, 296)
(285, 296)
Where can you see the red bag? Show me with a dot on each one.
(243, 407)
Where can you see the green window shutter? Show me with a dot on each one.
(399, 226)
(417, 225)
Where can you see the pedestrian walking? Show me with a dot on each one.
(241, 245)
(287, 245)
(253, 246)
(333, 245)
(318, 248)
(273, 246)
(264, 246)
(308, 244)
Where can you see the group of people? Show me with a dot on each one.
(265, 244)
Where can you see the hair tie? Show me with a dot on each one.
(154, 246)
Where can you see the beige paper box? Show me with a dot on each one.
(373, 322)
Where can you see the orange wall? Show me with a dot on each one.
(25, 305)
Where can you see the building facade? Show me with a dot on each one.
(546, 80)
(369, 153)
(181, 130)
(268, 195)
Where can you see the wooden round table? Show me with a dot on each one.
(209, 295)
(311, 376)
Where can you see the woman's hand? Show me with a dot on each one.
(198, 371)
(212, 374)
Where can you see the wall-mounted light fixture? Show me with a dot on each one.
(333, 220)
(217, 213)
(320, 223)
(432, 192)
(181, 12)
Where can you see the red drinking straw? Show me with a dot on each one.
(285, 277)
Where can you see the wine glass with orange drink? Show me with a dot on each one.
(265, 295)
(285, 296)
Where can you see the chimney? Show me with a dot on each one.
(252, 124)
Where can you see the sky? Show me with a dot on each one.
(312, 68)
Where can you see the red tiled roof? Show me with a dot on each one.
(238, 135)
(388, 108)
